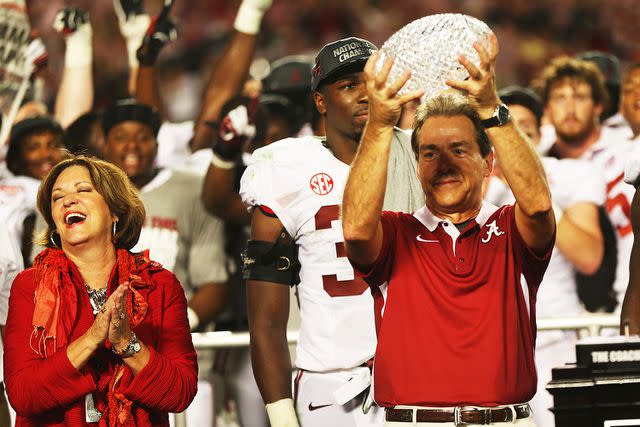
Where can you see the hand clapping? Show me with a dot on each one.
(112, 321)
(119, 329)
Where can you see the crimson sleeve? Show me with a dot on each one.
(533, 266)
(168, 382)
(34, 384)
(380, 271)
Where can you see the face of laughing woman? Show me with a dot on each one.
(80, 213)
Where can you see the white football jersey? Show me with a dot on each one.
(610, 153)
(18, 196)
(558, 295)
(303, 182)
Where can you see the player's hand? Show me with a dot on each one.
(385, 104)
(480, 87)
(160, 32)
(69, 20)
(119, 328)
(132, 20)
(236, 129)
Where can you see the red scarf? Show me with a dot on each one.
(55, 312)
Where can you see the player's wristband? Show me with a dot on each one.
(248, 18)
(194, 319)
(557, 212)
(219, 162)
(282, 413)
(79, 52)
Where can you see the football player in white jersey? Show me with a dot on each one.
(579, 243)
(574, 96)
(294, 189)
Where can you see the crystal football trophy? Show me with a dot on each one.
(430, 48)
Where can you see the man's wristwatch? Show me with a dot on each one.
(133, 347)
(500, 117)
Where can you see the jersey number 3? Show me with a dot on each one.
(330, 282)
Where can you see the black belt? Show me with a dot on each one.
(460, 415)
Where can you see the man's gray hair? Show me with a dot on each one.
(449, 105)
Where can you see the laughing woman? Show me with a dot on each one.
(96, 335)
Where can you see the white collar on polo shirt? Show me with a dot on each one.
(431, 221)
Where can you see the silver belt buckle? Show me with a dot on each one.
(457, 416)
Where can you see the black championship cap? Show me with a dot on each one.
(130, 110)
(518, 95)
(336, 56)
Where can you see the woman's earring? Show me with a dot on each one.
(113, 234)
(52, 239)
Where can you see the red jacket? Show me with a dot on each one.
(51, 392)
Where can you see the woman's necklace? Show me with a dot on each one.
(97, 298)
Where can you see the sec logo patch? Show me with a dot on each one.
(321, 184)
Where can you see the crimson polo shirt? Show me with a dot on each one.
(456, 324)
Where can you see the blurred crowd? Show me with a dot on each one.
(531, 33)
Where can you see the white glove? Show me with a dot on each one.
(237, 124)
(133, 27)
(632, 166)
(74, 25)
(250, 15)
(35, 56)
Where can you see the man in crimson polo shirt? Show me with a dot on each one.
(456, 324)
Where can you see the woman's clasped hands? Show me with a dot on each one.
(112, 321)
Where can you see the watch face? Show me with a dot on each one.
(136, 347)
(503, 114)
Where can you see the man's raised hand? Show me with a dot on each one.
(480, 87)
(385, 103)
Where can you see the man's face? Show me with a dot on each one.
(526, 120)
(345, 105)
(630, 100)
(572, 110)
(450, 166)
(39, 152)
(132, 147)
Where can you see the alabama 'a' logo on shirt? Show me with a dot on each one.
(321, 184)
(492, 231)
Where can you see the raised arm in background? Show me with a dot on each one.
(160, 32)
(75, 94)
(219, 195)
(231, 70)
(133, 23)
